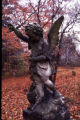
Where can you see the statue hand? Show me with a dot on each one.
(11, 27)
(49, 56)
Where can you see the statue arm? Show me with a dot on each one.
(18, 33)
(38, 58)
(42, 58)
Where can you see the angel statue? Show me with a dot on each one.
(41, 59)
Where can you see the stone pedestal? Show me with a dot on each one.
(52, 107)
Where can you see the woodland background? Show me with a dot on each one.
(15, 53)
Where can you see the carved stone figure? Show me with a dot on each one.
(45, 102)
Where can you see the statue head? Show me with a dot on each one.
(34, 31)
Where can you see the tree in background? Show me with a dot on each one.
(68, 54)
(44, 12)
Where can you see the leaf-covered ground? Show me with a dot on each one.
(14, 99)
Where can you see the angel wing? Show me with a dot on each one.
(53, 33)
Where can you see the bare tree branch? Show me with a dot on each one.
(36, 12)
(71, 22)
(24, 21)
(39, 6)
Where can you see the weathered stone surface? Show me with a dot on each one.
(44, 104)
(52, 107)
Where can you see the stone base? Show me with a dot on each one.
(29, 115)
(52, 107)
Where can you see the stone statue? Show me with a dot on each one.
(45, 102)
